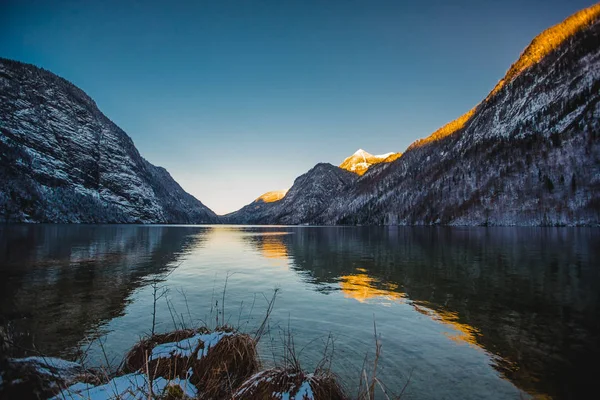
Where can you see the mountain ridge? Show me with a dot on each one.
(63, 160)
(532, 111)
(306, 199)
(527, 154)
(541, 45)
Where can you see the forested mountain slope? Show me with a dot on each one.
(528, 154)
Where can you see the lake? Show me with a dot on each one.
(470, 313)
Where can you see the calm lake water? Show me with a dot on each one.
(468, 313)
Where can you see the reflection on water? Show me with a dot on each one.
(460, 332)
(271, 246)
(362, 287)
(59, 283)
(467, 310)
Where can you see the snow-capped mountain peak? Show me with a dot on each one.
(361, 161)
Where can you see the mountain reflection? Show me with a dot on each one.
(62, 282)
(461, 332)
(269, 242)
(272, 246)
(530, 296)
(362, 287)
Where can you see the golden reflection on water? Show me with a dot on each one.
(363, 287)
(460, 332)
(272, 247)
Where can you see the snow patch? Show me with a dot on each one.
(50, 366)
(126, 387)
(304, 393)
(186, 347)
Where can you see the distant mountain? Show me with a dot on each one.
(306, 200)
(360, 161)
(528, 154)
(256, 212)
(62, 160)
(310, 194)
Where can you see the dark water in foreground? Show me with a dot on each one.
(465, 312)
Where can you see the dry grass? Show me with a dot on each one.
(216, 375)
(228, 370)
(136, 358)
(277, 382)
(291, 381)
(370, 384)
(226, 366)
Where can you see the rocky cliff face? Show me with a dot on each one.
(62, 160)
(528, 154)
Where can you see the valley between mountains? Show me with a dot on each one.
(528, 154)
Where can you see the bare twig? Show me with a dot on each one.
(171, 312)
(187, 306)
(375, 362)
(149, 377)
(324, 364)
(240, 315)
(271, 304)
(156, 295)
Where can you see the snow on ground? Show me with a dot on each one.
(50, 366)
(48, 361)
(304, 393)
(185, 347)
(127, 387)
(134, 385)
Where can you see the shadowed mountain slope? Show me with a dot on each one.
(62, 160)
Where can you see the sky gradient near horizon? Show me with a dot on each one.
(237, 98)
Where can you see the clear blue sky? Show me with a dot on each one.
(239, 98)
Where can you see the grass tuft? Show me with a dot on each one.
(216, 374)
(278, 383)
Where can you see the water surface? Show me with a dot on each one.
(462, 312)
